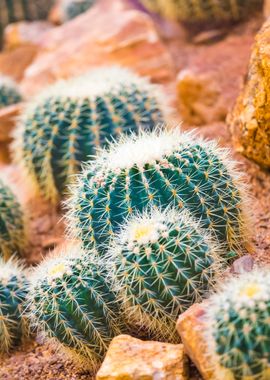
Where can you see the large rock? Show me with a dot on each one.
(111, 32)
(133, 359)
(250, 120)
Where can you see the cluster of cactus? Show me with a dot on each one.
(9, 92)
(68, 123)
(206, 11)
(238, 329)
(160, 264)
(73, 8)
(12, 234)
(70, 301)
(158, 168)
(13, 290)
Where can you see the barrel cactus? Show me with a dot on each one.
(69, 122)
(206, 11)
(12, 234)
(9, 92)
(13, 290)
(238, 329)
(163, 262)
(71, 303)
(73, 8)
(158, 168)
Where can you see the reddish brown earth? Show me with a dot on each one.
(226, 55)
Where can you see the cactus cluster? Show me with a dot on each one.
(159, 168)
(161, 263)
(238, 329)
(13, 290)
(73, 8)
(206, 11)
(12, 234)
(68, 123)
(70, 302)
(9, 92)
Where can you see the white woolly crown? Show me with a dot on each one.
(8, 269)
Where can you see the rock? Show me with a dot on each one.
(133, 359)
(56, 16)
(119, 34)
(191, 326)
(242, 265)
(250, 119)
(266, 8)
(25, 33)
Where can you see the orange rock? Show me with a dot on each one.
(133, 359)
(8, 117)
(25, 33)
(250, 120)
(111, 32)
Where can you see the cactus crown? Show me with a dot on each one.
(12, 235)
(9, 92)
(163, 262)
(73, 8)
(238, 320)
(209, 11)
(13, 289)
(71, 303)
(158, 168)
(68, 123)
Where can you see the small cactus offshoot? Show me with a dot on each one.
(13, 290)
(159, 168)
(68, 123)
(238, 330)
(206, 11)
(70, 301)
(163, 262)
(12, 235)
(73, 8)
(9, 92)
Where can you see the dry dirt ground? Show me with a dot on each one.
(37, 361)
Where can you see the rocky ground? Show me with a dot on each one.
(212, 66)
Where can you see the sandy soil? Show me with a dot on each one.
(36, 361)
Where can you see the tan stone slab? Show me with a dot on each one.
(129, 358)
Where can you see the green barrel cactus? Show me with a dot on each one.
(163, 262)
(73, 8)
(71, 303)
(9, 92)
(206, 11)
(238, 329)
(13, 290)
(164, 168)
(68, 123)
(12, 231)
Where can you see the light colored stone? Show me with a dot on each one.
(250, 120)
(111, 32)
(133, 359)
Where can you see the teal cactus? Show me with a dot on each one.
(163, 262)
(73, 8)
(71, 303)
(9, 92)
(13, 290)
(238, 329)
(206, 11)
(164, 168)
(12, 231)
(69, 122)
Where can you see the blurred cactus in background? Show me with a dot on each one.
(9, 92)
(73, 8)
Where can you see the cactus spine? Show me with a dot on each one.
(238, 327)
(71, 302)
(68, 123)
(12, 235)
(13, 290)
(163, 262)
(207, 11)
(9, 92)
(73, 8)
(159, 168)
